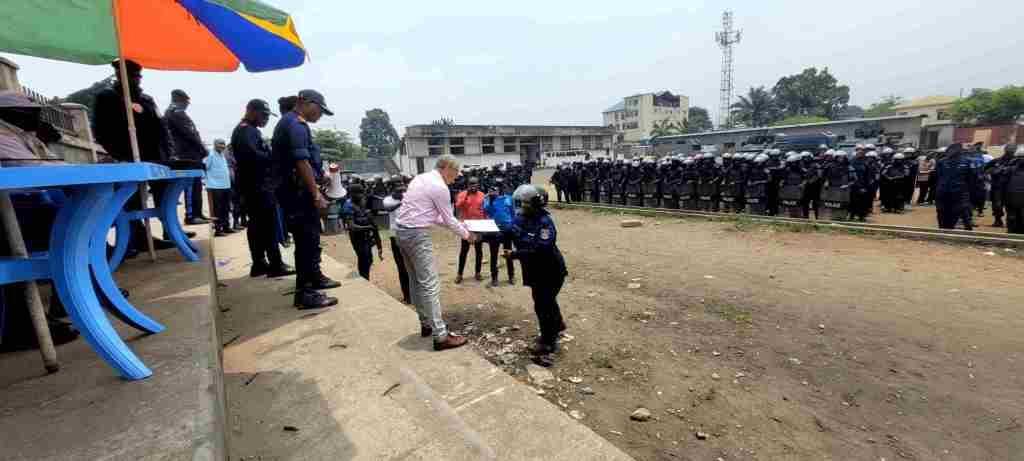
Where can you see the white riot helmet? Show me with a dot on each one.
(839, 154)
(899, 157)
(910, 150)
(688, 161)
(761, 158)
(870, 147)
(887, 150)
(805, 153)
(859, 147)
(808, 155)
(792, 158)
(1020, 151)
(871, 154)
(726, 155)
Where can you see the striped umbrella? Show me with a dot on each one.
(197, 35)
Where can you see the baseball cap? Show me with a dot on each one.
(315, 97)
(259, 105)
(180, 94)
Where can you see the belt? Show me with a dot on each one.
(399, 226)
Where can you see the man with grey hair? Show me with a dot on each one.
(427, 202)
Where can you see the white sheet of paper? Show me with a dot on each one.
(482, 226)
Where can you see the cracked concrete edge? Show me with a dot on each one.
(210, 440)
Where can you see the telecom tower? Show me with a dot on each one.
(726, 39)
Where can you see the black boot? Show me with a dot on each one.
(310, 299)
(998, 223)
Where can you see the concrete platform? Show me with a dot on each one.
(86, 412)
(358, 383)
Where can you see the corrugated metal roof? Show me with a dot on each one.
(926, 101)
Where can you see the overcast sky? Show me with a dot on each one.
(564, 61)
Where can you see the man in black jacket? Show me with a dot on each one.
(187, 146)
(257, 187)
(110, 128)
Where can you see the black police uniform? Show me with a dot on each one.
(292, 143)
(958, 183)
(257, 188)
(363, 233)
(110, 128)
(187, 146)
(544, 269)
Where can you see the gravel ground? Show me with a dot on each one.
(759, 342)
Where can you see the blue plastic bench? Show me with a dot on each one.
(96, 195)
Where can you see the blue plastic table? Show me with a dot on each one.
(77, 253)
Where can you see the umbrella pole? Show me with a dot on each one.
(16, 243)
(143, 190)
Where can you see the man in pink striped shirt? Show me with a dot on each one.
(427, 203)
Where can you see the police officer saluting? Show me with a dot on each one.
(257, 188)
(294, 154)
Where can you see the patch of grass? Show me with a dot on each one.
(601, 359)
(732, 313)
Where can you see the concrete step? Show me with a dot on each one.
(358, 383)
(85, 411)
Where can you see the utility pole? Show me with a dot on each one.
(726, 39)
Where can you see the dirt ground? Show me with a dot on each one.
(769, 343)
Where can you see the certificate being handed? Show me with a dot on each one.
(482, 226)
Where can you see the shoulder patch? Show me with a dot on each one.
(545, 233)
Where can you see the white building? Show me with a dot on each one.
(488, 145)
(634, 117)
(937, 128)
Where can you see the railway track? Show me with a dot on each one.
(911, 232)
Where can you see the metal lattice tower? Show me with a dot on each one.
(726, 39)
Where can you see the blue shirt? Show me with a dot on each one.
(217, 174)
(501, 210)
(292, 142)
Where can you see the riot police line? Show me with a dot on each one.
(826, 184)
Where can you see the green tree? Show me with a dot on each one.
(698, 120)
(336, 145)
(756, 108)
(87, 96)
(800, 120)
(664, 128)
(988, 107)
(812, 92)
(884, 107)
(377, 135)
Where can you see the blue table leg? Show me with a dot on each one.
(120, 307)
(69, 261)
(122, 234)
(168, 213)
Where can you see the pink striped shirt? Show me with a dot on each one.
(428, 202)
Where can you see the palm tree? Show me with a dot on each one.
(663, 128)
(757, 108)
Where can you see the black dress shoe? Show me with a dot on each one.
(307, 299)
(324, 283)
(258, 270)
(283, 270)
(196, 221)
(190, 234)
(425, 332)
